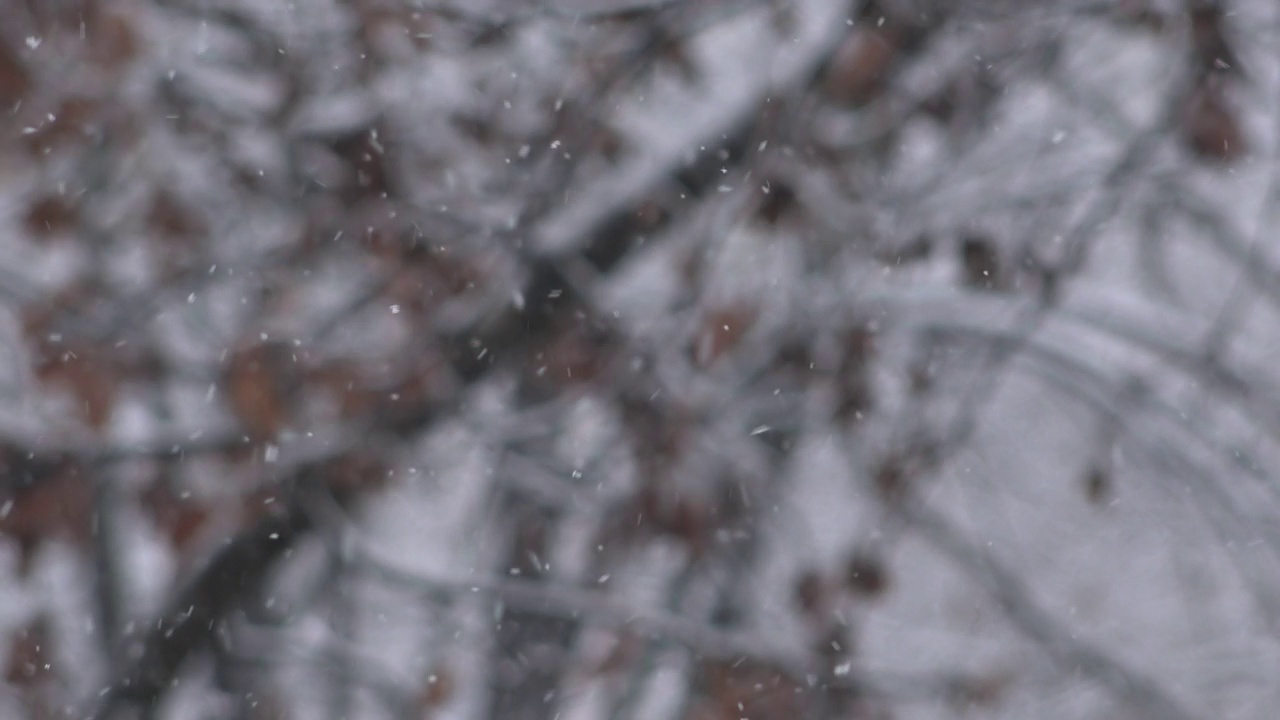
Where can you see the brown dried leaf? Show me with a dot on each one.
(981, 263)
(256, 379)
(751, 689)
(30, 655)
(1210, 126)
(810, 593)
(114, 42)
(626, 650)
(1097, 485)
(267, 705)
(692, 523)
(345, 384)
(892, 480)
(180, 519)
(659, 510)
(55, 500)
(782, 18)
(854, 397)
(865, 574)
(51, 215)
(1139, 13)
(14, 81)
(660, 435)
(263, 501)
(673, 53)
(169, 218)
(88, 373)
(836, 645)
(721, 331)
(380, 23)
(70, 122)
(456, 275)
(794, 358)
(917, 249)
(1212, 49)
(415, 291)
(477, 127)
(438, 688)
(419, 391)
(365, 156)
(861, 65)
(93, 383)
(979, 691)
(574, 356)
(40, 318)
(778, 201)
(356, 474)
(859, 348)
(608, 142)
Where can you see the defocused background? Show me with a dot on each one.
(639, 359)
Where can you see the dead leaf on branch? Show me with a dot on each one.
(854, 398)
(576, 355)
(1209, 40)
(438, 688)
(455, 275)
(861, 66)
(811, 593)
(782, 18)
(625, 650)
(722, 330)
(865, 574)
(89, 375)
(54, 499)
(915, 250)
(30, 659)
(673, 53)
(73, 120)
(1140, 14)
(1210, 126)
(965, 102)
(981, 263)
(979, 691)
(355, 475)
(14, 80)
(179, 517)
(382, 23)
(836, 645)
(750, 689)
(60, 16)
(657, 510)
(169, 218)
(892, 480)
(859, 344)
(1097, 485)
(256, 378)
(344, 385)
(94, 385)
(778, 200)
(364, 153)
(113, 41)
(50, 216)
